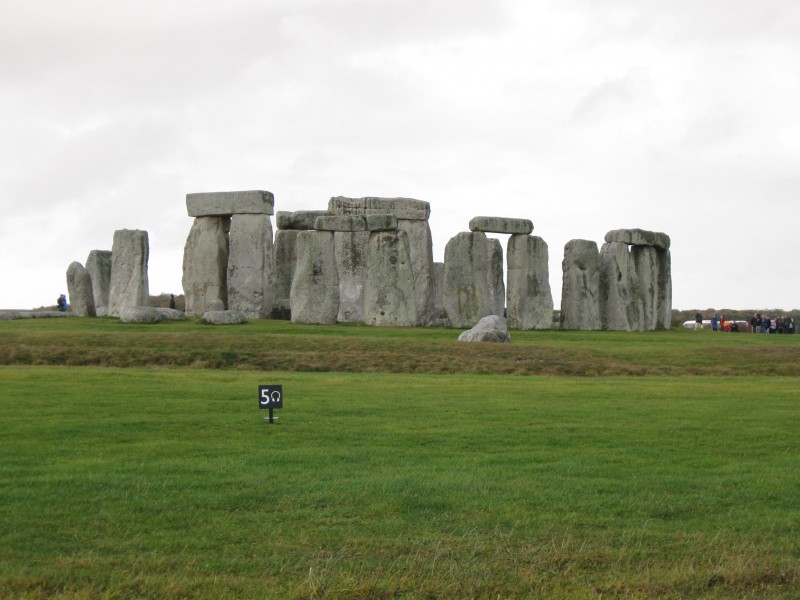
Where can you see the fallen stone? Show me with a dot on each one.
(381, 222)
(225, 204)
(170, 314)
(340, 223)
(639, 237)
(285, 261)
(129, 284)
(501, 225)
(529, 301)
(491, 328)
(580, 291)
(473, 278)
(98, 264)
(315, 285)
(79, 288)
(350, 248)
(224, 317)
(139, 314)
(402, 208)
(300, 220)
(205, 265)
(389, 297)
(250, 265)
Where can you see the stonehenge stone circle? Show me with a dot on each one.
(315, 287)
(501, 225)
(129, 284)
(250, 257)
(529, 300)
(205, 265)
(489, 329)
(79, 288)
(389, 296)
(580, 292)
(98, 264)
(473, 278)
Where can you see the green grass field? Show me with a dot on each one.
(411, 466)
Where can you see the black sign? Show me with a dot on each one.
(270, 396)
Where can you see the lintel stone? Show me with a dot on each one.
(402, 208)
(301, 220)
(381, 222)
(340, 223)
(220, 204)
(639, 237)
(501, 225)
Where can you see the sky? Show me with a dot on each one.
(582, 116)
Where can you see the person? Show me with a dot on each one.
(765, 324)
(698, 321)
(755, 323)
(172, 300)
(714, 322)
(779, 324)
(722, 323)
(789, 324)
(62, 303)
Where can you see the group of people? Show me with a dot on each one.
(758, 323)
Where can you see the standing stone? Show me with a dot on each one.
(580, 293)
(439, 313)
(98, 264)
(285, 261)
(621, 307)
(529, 299)
(664, 302)
(473, 278)
(250, 265)
(350, 249)
(645, 261)
(315, 286)
(79, 288)
(389, 297)
(129, 284)
(205, 265)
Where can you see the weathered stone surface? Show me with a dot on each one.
(250, 265)
(473, 278)
(639, 237)
(79, 287)
(580, 292)
(285, 261)
(225, 204)
(621, 306)
(224, 317)
(421, 251)
(350, 248)
(129, 284)
(645, 262)
(301, 220)
(491, 328)
(664, 302)
(98, 264)
(340, 223)
(205, 265)
(402, 208)
(501, 225)
(529, 299)
(170, 314)
(389, 296)
(439, 314)
(381, 222)
(139, 314)
(315, 286)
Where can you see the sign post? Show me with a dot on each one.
(270, 397)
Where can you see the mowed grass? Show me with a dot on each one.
(168, 483)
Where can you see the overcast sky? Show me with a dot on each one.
(583, 116)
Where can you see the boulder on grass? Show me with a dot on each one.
(171, 314)
(139, 314)
(224, 317)
(488, 329)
